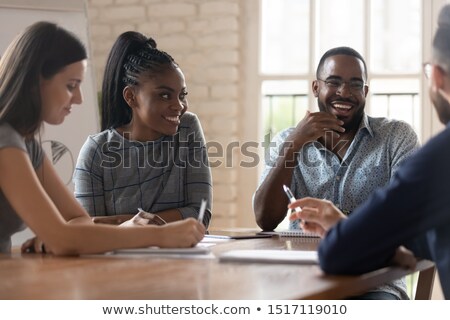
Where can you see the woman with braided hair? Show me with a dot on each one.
(151, 152)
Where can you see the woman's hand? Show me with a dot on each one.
(182, 234)
(143, 218)
(115, 220)
(34, 245)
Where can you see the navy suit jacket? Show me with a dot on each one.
(413, 210)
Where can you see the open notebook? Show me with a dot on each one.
(271, 256)
(236, 235)
(291, 233)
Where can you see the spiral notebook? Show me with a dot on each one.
(291, 233)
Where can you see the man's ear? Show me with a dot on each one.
(366, 90)
(440, 82)
(129, 96)
(315, 88)
(438, 77)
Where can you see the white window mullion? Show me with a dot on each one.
(313, 46)
(366, 54)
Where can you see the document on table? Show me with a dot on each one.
(271, 256)
(236, 235)
(197, 252)
(156, 250)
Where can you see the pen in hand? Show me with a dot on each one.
(201, 212)
(291, 197)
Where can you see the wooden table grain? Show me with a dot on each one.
(34, 276)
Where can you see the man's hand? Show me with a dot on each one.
(317, 215)
(404, 258)
(313, 126)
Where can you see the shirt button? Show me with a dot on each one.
(338, 178)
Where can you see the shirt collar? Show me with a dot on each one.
(365, 125)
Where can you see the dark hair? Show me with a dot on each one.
(41, 50)
(132, 56)
(441, 41)
(338, 51)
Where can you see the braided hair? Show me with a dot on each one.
(132, 56)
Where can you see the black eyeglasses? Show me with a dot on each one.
(427, 67)
(336, 84)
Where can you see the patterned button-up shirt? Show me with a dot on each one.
(371, 160)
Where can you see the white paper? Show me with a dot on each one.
(271, 256)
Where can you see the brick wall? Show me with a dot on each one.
(206, 38)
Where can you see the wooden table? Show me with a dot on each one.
(35, 276)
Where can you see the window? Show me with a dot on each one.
(295, 33)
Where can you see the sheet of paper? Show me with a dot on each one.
(201, 251)
(271, 256)
(155, 250)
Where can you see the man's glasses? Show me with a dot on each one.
(336, 84)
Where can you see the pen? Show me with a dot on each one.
(291, 197)
(201, 213)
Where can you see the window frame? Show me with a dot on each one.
(250, 114)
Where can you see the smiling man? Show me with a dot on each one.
(339, 153)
